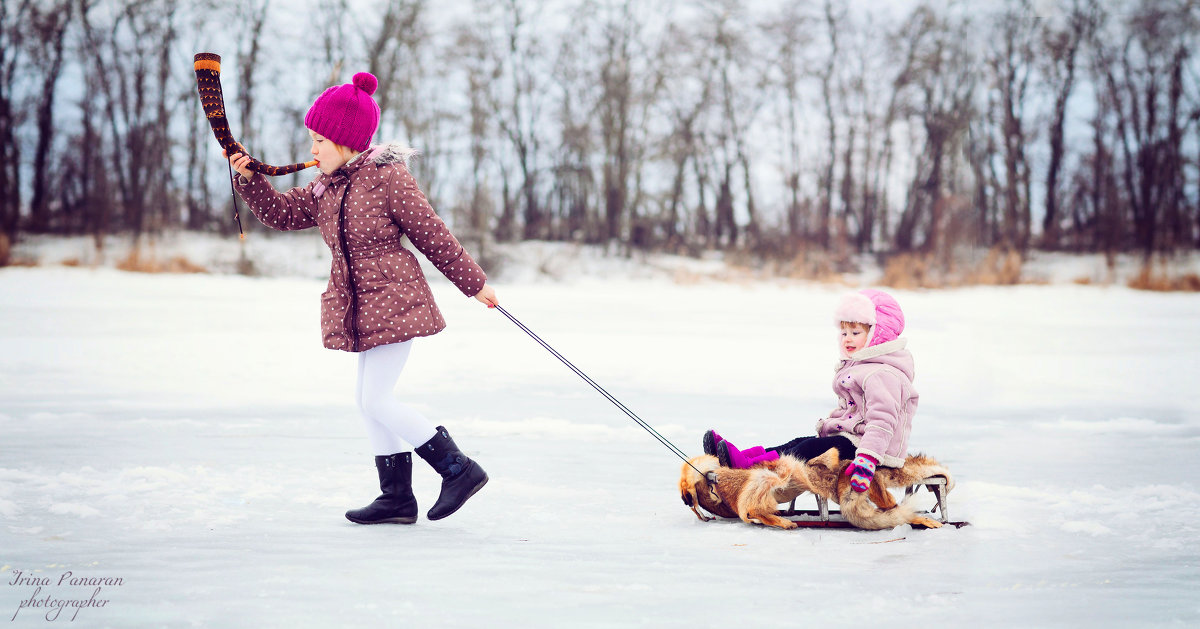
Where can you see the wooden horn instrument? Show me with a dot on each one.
(208, 82)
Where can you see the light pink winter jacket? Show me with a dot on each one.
(876, 402)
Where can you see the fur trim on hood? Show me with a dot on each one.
(855, 308)
(391, 153)
(380, 155)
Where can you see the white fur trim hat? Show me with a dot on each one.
(875, 308)
(855, 308)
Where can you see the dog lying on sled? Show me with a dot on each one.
(754, 495)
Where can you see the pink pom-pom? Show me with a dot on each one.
(366, 82)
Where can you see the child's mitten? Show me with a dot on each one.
(861, 471)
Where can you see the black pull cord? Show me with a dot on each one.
(625, 409)
(233, 194)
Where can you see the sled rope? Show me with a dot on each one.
(625, 409)
(233, 195)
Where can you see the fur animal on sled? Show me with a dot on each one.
(754, 494)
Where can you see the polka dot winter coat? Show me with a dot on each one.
(376, 293)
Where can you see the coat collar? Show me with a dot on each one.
(340, 176)
(345, 171)
(875, 351)
(380, 155)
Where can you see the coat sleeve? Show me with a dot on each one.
(429, 234)
(883, 394)
(285, 211)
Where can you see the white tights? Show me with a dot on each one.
(389, 423)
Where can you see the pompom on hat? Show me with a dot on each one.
(346, 114)
(876, 309)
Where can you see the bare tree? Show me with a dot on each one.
(739, 89)
(941, 85)
(831, 97)
(12, 35)
(689, 69)
(573, 202)
(392, 52)
(615, 109)
(1143, 79)
(412, 93)
(251, 18)
(649, 126)
(1011, 63)
(481, 70)
(329, 24)
(792, 31)
(132, 45)
(49, 22)
(516, 97)
(1060, 43)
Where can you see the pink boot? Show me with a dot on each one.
(711, 439)
(730, 456)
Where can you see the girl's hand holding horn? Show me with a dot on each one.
(240, 162)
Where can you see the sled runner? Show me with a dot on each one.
(822, 517)
(755, 494)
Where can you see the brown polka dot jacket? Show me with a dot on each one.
(376, 293)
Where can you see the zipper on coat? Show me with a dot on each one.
(352, 306)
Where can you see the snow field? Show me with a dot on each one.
(189, 435)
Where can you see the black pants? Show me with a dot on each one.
(805, 448)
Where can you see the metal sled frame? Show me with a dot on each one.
(823, 518)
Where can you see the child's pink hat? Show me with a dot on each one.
(346, 114)
(876, 309)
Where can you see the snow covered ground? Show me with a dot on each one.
(188, 436)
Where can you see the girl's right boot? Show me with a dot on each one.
(712, 439)
(396, 505)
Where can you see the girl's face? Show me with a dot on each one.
(854, 337)
(330, 156)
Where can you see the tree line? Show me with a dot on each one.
(773, 129)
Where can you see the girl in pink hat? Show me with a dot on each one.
(874, 387)
(377, 300)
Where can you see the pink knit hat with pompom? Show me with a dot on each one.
(876, 309)
(346, 114)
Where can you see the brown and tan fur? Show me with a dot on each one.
(754, 495)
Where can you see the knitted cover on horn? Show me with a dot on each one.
(208, 83)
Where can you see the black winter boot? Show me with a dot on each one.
(461, 477)
(396, 505)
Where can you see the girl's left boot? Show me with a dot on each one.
(461, 477)
(396, 505)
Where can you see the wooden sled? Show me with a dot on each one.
(822, 517)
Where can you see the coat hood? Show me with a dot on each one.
(875, 308)
(391, 153)
(380, 155)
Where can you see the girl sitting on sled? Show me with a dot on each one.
(874, 387)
